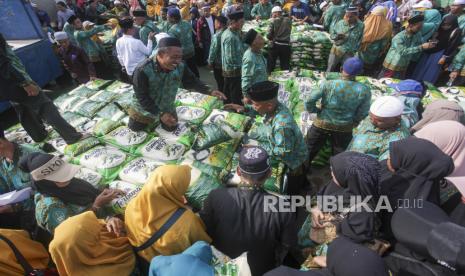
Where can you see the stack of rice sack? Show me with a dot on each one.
(310, 48)
(454, 93)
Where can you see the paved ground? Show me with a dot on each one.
(206, 75)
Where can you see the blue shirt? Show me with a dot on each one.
(301, 11)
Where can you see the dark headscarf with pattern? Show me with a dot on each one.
(358, 174)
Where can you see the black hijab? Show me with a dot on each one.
(450, 39)
(350, 259)
(77, 192)
(358, 174)
(420, 166)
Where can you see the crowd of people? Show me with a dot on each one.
(391, 148)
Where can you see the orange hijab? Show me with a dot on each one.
(376, 27)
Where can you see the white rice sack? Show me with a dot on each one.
(59, 144)
(194, 115)
(160, 149)
(107, 161)
(197, 100)
(306, 121)
(304, 86)
(454, 93)
(182, 128)
(126, 139)
(131, 190)
(138, 170)
(90, 176)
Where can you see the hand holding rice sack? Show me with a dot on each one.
(59, 194)
(156, 82)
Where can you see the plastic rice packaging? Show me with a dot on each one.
(200, 187)
(118, 87)
(59, 144)
(119, 204)
(104, 96)
(186, 98)
(107, 161)
(285, 96)
(67, 102)
(194, 115)
(214, 134)
(111, 112)
(80, 146)
(74, 119)
(126, 139)
(97, 84)
(303, 118)
(87, 108)
(104, 126)
(454, 93)
(218, 156)
(138, 170)
(225, 266)
(237, 121)
(90, 176)
(432, 94)
(160, 149)
(303, 88)
(18, 135)
(183, 134)
(82, 91)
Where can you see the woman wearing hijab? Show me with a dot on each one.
(449, 136)
(33, 252)
(84, 245)
(60, 195)
(440, 110)
(432, 61)
(160, 200)
(358, 175)
(377, 35)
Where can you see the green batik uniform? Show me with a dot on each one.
(145, 30)
(155, 90)
(164, 26)
(333, 14)
(445, 3)
(264, 11)
(351, 43)
(92, 48)
(404, 47)
(280, 136)
(459, 62)
(373, 141)
(18, 65)
(232, 50)
(431, 24)
(344, 104)
(373, 51)
(247, 9)
(253, 69)
(183, 31)
(69, 30)
(214, 57)
(12, 178)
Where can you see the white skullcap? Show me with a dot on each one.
(387, 107)
(60, 36)
(459, 2)
(159, 36)
(117, 2)
(34, 5)
(323, 5)
(87, 23)
(174, 2)
(276, 9)
(423, 4)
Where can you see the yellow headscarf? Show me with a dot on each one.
(83, 246)
(376, 27)
(34, 253)
(115, 22)
(160, 197)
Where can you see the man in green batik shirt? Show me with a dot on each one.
(246, 8)
(146, 27)
(262, 10)
(214, 57)
(332, 15)
(156, 82)
(183, 31)
(69, 29)
(278, 134)
(12, 178)
(383, 126)
(404, 46)
(344, 104)
(254, 67)
(346, 36)
(232, 50)
(456, 8)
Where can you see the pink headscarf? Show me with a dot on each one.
(449, 136)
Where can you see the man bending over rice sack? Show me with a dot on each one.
(156, 82)
(279, 133)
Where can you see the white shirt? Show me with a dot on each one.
(210, 25)
(131, 52)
